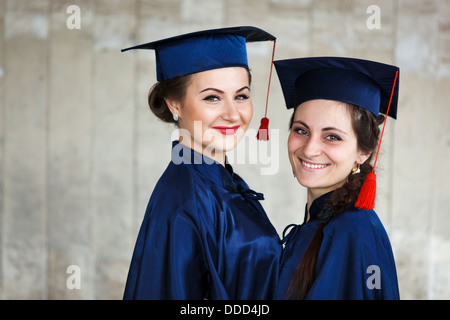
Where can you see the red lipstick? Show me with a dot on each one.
(227, 130)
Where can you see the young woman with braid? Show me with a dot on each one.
(341, 251)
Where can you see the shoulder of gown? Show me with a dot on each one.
(180, 190)
(355, 259)
(168, 259)
(358, 225)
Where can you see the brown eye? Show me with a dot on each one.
(211, 98)
(300, 131)
(242, 97)
(333, 137)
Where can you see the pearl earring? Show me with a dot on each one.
(356, 169)
(175, 117)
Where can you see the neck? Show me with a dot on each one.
(312, 195)
(218, 156)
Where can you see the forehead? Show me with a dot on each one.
(324, 113)
(221, 77)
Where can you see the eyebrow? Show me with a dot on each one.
(220, 91)
(324, 129)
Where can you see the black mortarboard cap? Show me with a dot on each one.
(364, 83)
(203, 50)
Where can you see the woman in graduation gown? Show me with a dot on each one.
(204, 235)
(341, 250)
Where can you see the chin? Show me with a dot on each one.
(227, 146)
(229, 143)
(307, 183)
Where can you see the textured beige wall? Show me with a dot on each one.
(80, 152)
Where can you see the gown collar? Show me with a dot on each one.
(316, 206)
(212, 170)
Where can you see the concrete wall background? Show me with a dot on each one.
(80, 152)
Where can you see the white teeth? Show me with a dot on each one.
(313, 166)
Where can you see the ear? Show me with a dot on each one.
(362, 157)
(173, 105)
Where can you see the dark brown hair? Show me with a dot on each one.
(365, 125)
(175, 89)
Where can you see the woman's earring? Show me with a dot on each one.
(175, 117)
(356, 169)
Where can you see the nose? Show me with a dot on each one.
(230, 112)
(312, 147)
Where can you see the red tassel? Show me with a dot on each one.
(366, 198)
(263, 132)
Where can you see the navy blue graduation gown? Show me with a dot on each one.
(204, 235)
(355, 259)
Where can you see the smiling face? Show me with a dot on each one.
(322, 146)
(216, 111)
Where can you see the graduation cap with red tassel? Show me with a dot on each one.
(366, 198)
(203, 50)
(206, 50)
(367, 84)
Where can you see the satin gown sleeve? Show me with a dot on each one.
(168, 260)
(355, 260)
